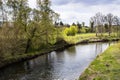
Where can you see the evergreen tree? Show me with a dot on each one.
(61, 23)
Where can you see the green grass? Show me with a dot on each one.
(79, 37)
(105, 67)
(87, 36)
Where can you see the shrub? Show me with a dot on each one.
(82, 30)
(11, 43)
(71, 31)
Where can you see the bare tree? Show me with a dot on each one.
(92, 26)
(117, 23)
(110, 21)
(98, 20)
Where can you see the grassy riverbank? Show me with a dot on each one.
(105, 67)
(89, 37)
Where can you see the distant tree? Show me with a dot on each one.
(106, 27)
(61, 23)
(67, 25)
(92, 26)
(83, 24)
(56, 24)
(55, 17)
(83, 30)
(110, 21)
(117, 23)
(79, 27)
(98, 20)
(73, 24)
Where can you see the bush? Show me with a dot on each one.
(83, 30)
(72, 31)
(11, 44)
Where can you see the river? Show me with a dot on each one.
(57, 65)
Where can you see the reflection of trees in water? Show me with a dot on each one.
(45, 68)
(28, 65)
(60, 54)
(48, 68)
(41, 68)
(71, 51)
(13, 72)
(98, 48)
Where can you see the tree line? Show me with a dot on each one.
(109, 23)
(99, 24)
(23, 29)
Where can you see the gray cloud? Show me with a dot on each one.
(81, 10)
(78, 10)
(86, 2)
(60, 2)
(95, 2)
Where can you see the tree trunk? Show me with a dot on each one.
(29, 41)
(109, 30)
(96, 31)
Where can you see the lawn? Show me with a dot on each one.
(79, 37)
(87, 36)
(105, 67)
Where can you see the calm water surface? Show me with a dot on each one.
(61, 65)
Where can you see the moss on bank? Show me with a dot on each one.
(105, 67)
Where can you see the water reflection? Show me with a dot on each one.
(98, 48)
(71, 50)
(67, 64)
(12, 73)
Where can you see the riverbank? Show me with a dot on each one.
(90, 38)
(105, 67)
(78, 39)
(14, 59)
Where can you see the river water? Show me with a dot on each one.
(58, 65)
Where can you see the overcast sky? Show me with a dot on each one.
(81, 10)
